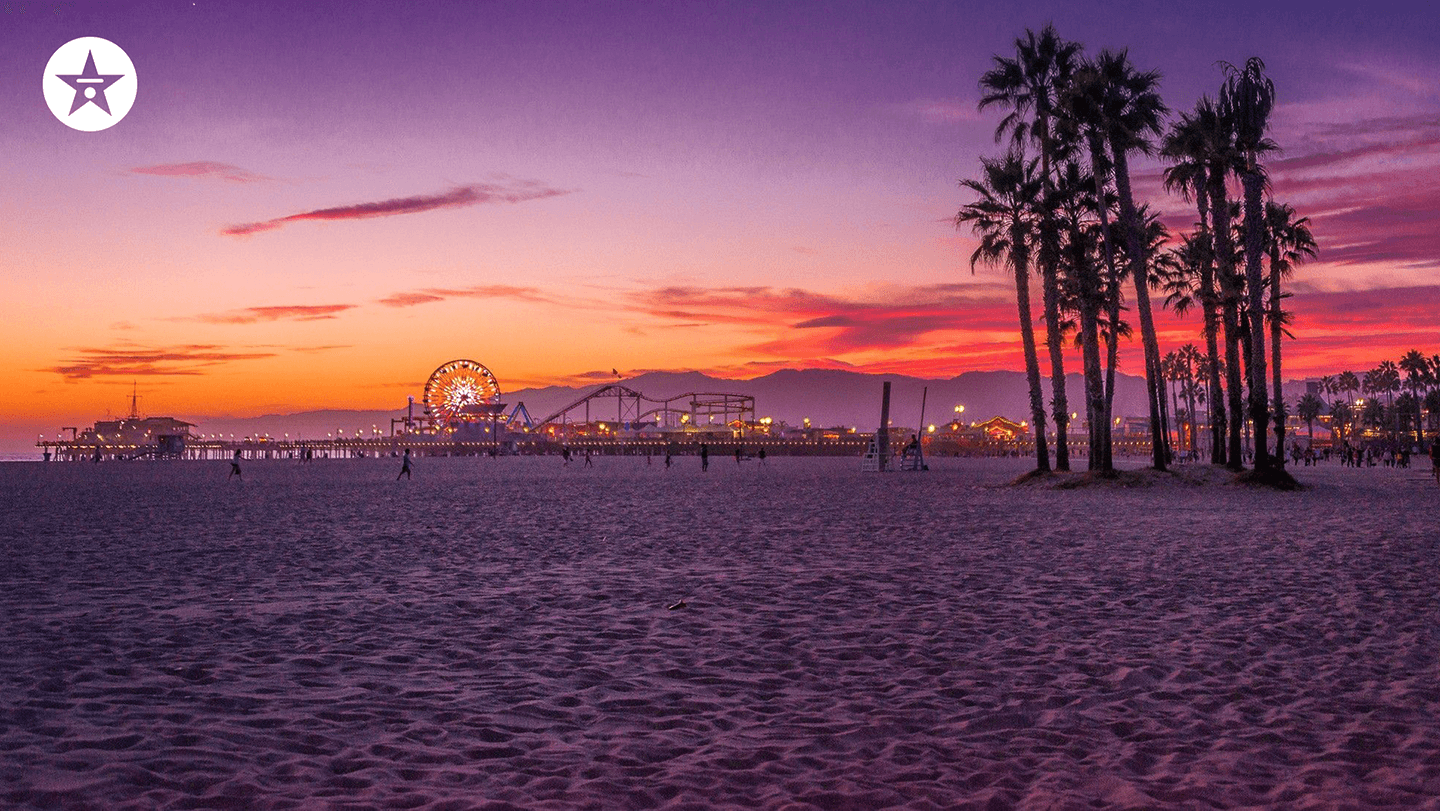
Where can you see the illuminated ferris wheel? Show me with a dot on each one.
(461, 391)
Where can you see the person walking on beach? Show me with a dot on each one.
(761, 456)
(739, 454)
(235, 468)
(667, 458)
(565, 454)
(1435, 459)
(704, 456)
(404, 466)
(588, 463)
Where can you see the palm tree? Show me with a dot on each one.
(1130, 113)
(1327, 385)
(1220, 157)
(1190, 362)
(1189, 146)
(1081, 120)
(1247, 98)
(1341, 413)
(1003, 218)
(1309, 408)
(1289, 243)
(1417, 372)
(1030, 85)
(1083, 287)
(1348, 383)
(1388, 378)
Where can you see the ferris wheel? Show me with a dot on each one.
(460, 391)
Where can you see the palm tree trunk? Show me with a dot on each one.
(1055, 343)
(1027, 340)
(1194, 429)
(1275, 333)
(1090, 345)
(1049, 262)
(1112, 299)
(1134, 237)
(1228, 289)
(1207, 306)
(1179, 424)
(1254, 184)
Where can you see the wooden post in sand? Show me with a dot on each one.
(882, 436)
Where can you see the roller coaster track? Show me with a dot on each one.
(632, 407)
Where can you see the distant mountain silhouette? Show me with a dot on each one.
(827, 396)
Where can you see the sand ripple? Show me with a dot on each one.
(495, 635)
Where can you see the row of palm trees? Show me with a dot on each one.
(1060, 202)
(1395, 393)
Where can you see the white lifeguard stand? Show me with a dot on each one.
(870, 462)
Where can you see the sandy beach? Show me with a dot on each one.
(495, 634)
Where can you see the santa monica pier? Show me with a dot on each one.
(462, 412)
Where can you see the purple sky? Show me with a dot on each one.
(312, 205)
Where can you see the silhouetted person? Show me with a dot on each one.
(739, 454)
(761, 456)
(565, 454)
(235, 467)
(96, 460)
(704, 456)
(1435, 459)
(404, 466)
(667, 459)
(588, 463)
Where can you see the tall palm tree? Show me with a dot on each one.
(1075, 203)
(1175, 380)
(1189, 147)
(1077, 121)
(1190, 362)
(1388, 382)
(1247, 98)
(1309, 408)
(1348, 383)
(1417, 372)
(1132, 115)
(1003, 217)
(1288, 242)
(1341, 414)
(1029, 86)
(1220, 158)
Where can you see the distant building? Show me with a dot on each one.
(161, 436)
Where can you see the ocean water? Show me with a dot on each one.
(511, 633)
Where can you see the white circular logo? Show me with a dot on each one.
(89, 84)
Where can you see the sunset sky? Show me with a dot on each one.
(313, 205)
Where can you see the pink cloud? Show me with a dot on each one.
(209, 170)
(134, 361)
(433, 294)
(299, 312)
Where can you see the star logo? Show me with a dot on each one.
(90, 100)
(90, 85)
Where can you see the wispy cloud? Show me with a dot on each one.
(206, 170)
(942, 111)
(295, 312)
(428, 295)
(458, 197)
(129, 360)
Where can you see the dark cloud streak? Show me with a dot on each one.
(458, 197)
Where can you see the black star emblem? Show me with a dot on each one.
(90, 85)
